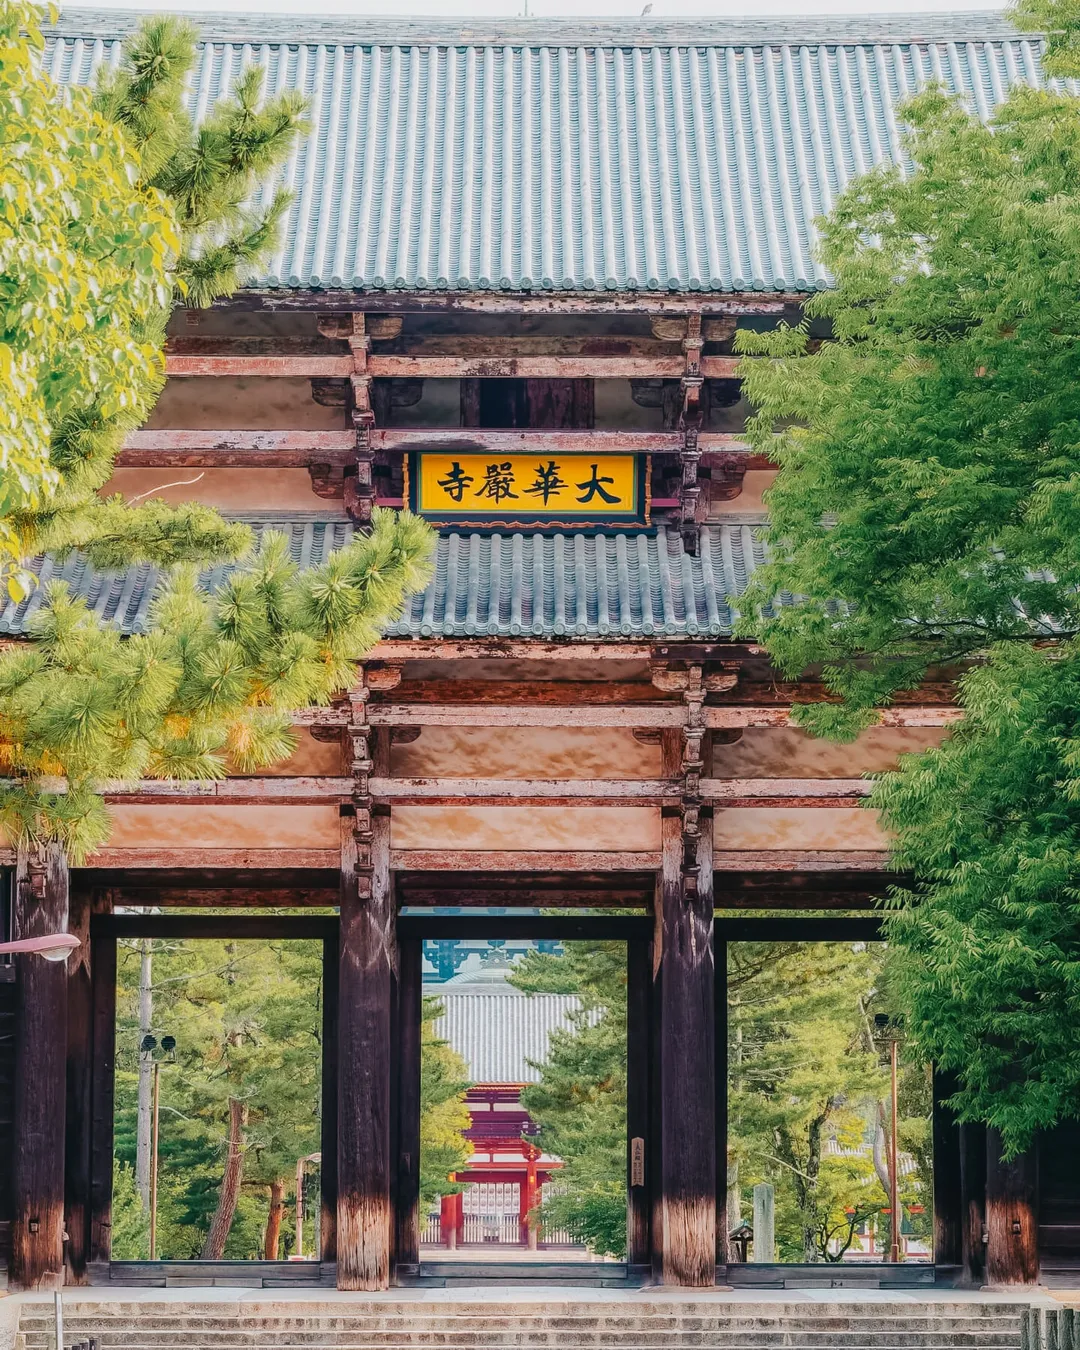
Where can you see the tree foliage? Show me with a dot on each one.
(926, 514)
(115, 203)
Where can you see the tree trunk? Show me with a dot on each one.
(881, 1151)
(146, 1073)
(813, 1168)
(214, 1246)
(273, 1221)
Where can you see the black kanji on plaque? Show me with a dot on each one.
(498, 482)
(456, 481)
(547, 483)
(592, 488)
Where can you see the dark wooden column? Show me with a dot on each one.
(364, 1008)
(407, 1206)
(80, 1043)
(722, 1225)
(638, 1069)
(102, 1088)
(948, 1207)
(687, 1161)
(37, 1229)
(328, 1187)
(1012, 1250)
(972, 1148)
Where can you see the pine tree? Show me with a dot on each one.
(121, 206)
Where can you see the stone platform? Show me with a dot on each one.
(529, 1318)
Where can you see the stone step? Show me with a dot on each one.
(495, 1336)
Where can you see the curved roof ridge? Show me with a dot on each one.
(797, 30)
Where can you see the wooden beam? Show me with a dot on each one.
(522, 715)
(463, 860)
(185, 885)
(717, 718)
(518, 367)
(1012, 1228)
(261, 367)
(639, 1161)
(802, 860)
(720, 367)
(37, 1223)
(216, 927)
(232, 790)
(476, 346)
(289, 299)
(367, 957)
(523, 791)
(530, 693)
(972, 1149)
(168, 448)
(216, 858)
(528, 927)
(545, 890)
(541, 442)
(328, 1142)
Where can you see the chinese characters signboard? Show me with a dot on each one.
(552, 491)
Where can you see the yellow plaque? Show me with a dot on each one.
(546, 489)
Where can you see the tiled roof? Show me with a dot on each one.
(546, 156)
(498, 1033)
(527, 584)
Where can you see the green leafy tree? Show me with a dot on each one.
(444, 1116)
(114, 205)
(926, 514)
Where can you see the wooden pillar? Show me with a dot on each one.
(410, 1013)
(972, 1148)
(328, 1187)
(102, 1089)
(1012, 1247)
(687, 1161)
(638, 1069)
(948, 1205)
(80, 1042)
(37, 1229)
(364, 993)
(720, 957)
(450, 1219)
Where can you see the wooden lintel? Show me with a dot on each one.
(720, 367)
(473, 346)
(637, 715)
(911, 716)
(274, 367)
(237, 449)
(233, 790)
(524, 791)
(463, 860)
(510, 302)
(801, 860)
(524, 367)
(244, 858)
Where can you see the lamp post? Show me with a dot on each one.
(148, 1046)
(888, 1032)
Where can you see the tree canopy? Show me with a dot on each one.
(925, 518)
(116, 205)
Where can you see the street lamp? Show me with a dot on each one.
(53, 947)
(148, 1045)
(889, 1032)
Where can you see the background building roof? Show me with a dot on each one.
(514, 584)
(540, 155)
(497, 1031)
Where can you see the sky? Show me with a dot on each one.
(577, 9)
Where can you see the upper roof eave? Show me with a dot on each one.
(348, 30)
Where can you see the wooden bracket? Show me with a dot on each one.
(690, 425)
(679, 679)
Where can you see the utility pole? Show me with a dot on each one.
(888, 1032)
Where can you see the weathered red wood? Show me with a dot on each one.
(514, 302)
(522, 715)
(521, 790)
(80, 1008)
(169, 448)
(639, 1161)
(721, 717)
(1012, 1226)
(687, 1066)
(523, 367)
(474, 345)
(530, 693)
(367, 958)
(195, 858)
(800, 860)
(233, 790)
(254, 367)
(37, 1227)
(720, 367)
(463, 860)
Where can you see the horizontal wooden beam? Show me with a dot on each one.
(800, 860)
(296, 299)
(552, 442)
(802, 929)
(261, 367)
(643, 715)
(525, 927)
(168, 448)
(463, 860)
(233, 790)
(525, 791)
(183, 858)
(526, 367)
(178, 926)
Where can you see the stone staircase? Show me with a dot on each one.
(624, 1322)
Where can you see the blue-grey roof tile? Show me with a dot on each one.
(508, 585)
(541, 155)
